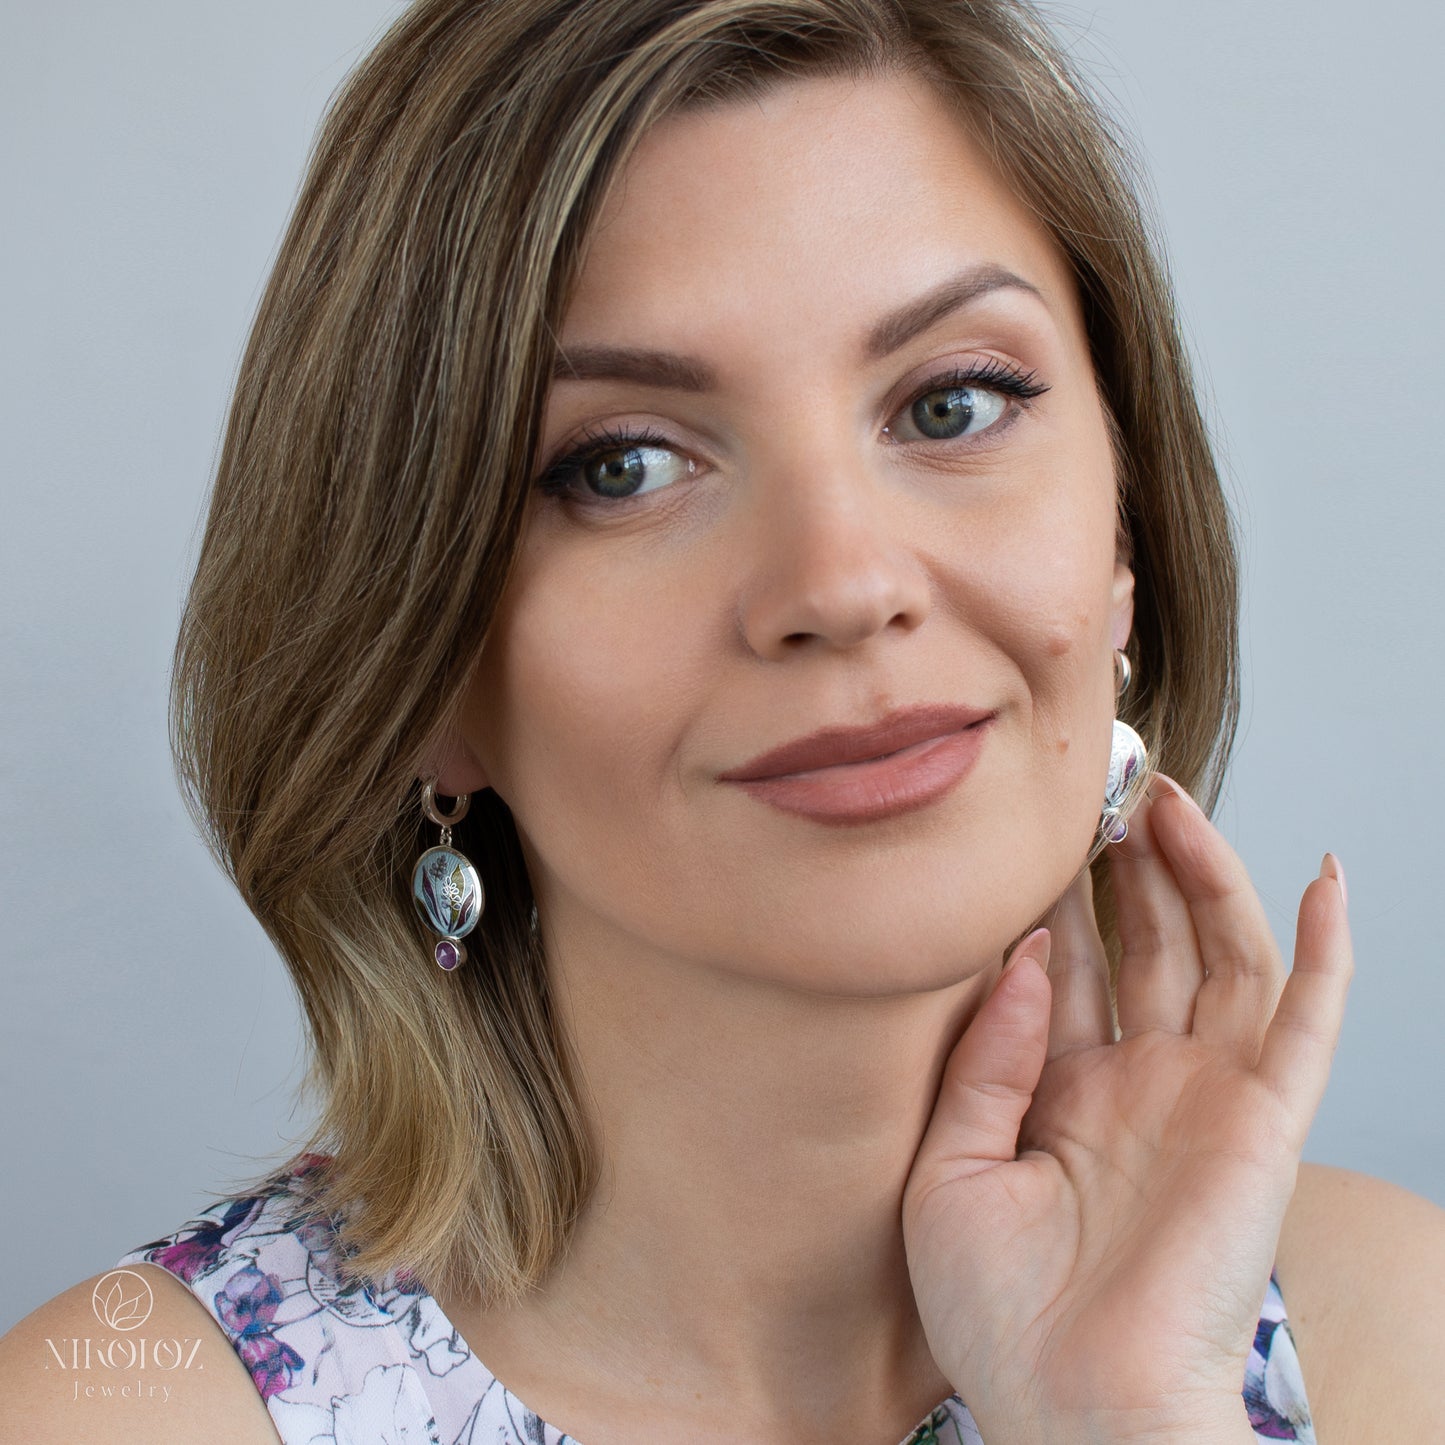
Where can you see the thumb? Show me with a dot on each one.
(990, 1078)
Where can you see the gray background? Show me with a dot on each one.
(149, 1039)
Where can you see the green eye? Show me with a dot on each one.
(955, 411)
(624, 471)
(614, 466)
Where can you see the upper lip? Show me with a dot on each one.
(830, 746)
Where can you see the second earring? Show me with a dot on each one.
(1128, 766)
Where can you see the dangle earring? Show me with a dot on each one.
(1128, 765)
(445, 887)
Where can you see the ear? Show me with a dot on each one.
(1122, 609)
(455, 766)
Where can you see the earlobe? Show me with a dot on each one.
(1123, 605)
(456, 768)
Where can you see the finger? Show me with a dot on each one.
(990, 1078)
(1080, 1016)
(1159, 966)
(1299, 1044)
(1243, 971)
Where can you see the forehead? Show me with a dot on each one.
(800, 211)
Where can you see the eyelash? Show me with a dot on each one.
(556, 481)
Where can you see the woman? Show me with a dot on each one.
(658, 413)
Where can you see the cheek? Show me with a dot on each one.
(1063, 650)
(1040, 576)
(1039, 581)
(578, 694)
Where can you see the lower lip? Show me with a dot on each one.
(880, 788)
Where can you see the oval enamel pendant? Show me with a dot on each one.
(449, 897)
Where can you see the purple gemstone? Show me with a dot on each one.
(1120, 832)
(448, 954)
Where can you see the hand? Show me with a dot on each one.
(1090, 1224)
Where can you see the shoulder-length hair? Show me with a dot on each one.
(370, 498)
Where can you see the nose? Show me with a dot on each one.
(830, 565)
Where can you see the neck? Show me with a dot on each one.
(745, 1241)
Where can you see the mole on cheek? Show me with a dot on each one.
(1059, 643)
(1063, 635)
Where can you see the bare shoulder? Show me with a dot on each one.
(173, 1379)
(1361, 1267)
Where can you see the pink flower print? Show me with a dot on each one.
(247, 1308)
(203, 1248)
(272, 1365)
(1276, 1406)
(191, 1258)
(247, 1305)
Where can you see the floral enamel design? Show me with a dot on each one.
(447, 892)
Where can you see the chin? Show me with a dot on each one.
(876, 953)
(883, 917)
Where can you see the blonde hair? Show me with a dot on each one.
(369, 501)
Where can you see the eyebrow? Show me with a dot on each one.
(673, 372)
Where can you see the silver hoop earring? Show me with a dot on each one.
(1128, 765)
(445, 886)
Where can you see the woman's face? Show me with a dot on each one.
(824, 524)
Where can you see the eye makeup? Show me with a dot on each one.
(564, 478)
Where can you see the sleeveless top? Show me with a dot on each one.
(379, 1364)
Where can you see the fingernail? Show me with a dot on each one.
(1036, 946)
(1331, 867)
(1171, 786)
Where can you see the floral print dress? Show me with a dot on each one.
(381, 1364)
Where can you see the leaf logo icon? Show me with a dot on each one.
(122, 1300)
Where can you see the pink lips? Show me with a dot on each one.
(842, 774)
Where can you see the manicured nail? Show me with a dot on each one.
(1036, 945)
(1331, 867)
(1170, 785)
